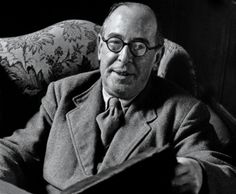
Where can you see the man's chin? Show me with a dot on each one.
(121, 91)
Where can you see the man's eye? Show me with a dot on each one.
(138, 46)
(114, 41)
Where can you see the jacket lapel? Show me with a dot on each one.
(128, 137)
(126, 140)
(85, 132)
(83, 126)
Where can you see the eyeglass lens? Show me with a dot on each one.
(116, 45)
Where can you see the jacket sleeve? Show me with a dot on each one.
(26, 147)
(196, 138)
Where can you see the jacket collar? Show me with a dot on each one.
(85, 133)
(137, 119)
(83, 126)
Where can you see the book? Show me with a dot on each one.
(148, 172)
(8, 188)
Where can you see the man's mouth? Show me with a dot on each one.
(122, 73)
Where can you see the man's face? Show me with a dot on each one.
(123, 74)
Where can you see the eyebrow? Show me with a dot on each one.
(144, 40)
(115, 35)
(139, 39)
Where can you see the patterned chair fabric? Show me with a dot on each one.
(28, 63)
(32, 61)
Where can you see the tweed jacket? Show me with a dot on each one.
(62, 140)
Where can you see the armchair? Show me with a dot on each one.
(28, 63)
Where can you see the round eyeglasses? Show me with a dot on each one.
(137, 48)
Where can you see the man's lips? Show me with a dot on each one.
(122, 73)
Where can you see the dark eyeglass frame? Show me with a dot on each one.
(129, 44)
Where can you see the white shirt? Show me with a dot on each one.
(124, 103)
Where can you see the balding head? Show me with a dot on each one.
(138, 12)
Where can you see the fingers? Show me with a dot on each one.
(184, 183)
(188, 176)
(184, 189)
(181, 169)
(183, 179)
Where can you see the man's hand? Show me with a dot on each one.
(188, 176)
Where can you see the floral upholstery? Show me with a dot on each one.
(28, 63)
(176, 65)
(34, 60)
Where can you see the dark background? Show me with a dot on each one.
(19, 18)
(22, 17)
(205, 28)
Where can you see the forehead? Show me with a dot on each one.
(131, 22)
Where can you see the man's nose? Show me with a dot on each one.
(125, 55)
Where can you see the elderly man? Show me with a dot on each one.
(77, 132)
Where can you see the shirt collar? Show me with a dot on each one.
(124, 103)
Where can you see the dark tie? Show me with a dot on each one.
(110, 120)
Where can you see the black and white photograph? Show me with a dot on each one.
(118, 97)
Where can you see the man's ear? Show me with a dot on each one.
(99, 45)
(158, 57)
